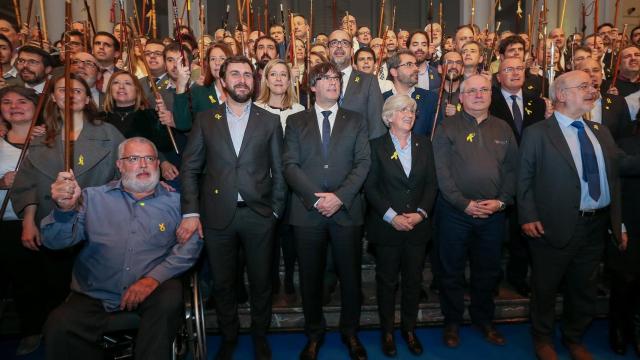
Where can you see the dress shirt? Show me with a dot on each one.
(633, 102)
(346, 73)
(237, 126)
(519, 101)
(409, 93)
(38, 88)
(571, 136)
(124, 240)
(596, 111)
(106, 75)
(95, 96)
(320, 117)
(9, 155)
(11, 74)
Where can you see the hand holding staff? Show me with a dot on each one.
(68, 114)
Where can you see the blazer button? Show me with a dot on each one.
(408, 206)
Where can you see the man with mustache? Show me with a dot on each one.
(33, 65)
(130, 260)
(265, 49)
(404, 72)
(428, 77)
(86, 66)
(567, 220)
(450, 104)
(360, 92)
(237, 200)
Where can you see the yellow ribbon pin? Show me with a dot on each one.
(530, 87)
(459, 107)
(162, 227)
(212, 99)
(431, 76)
(528, 111)
(357, 79)
(608, 100)
(217, 116)
(216, 191)
(418, 97)
(596, 127)
(394, 156)
(81, 160)
(471, 136)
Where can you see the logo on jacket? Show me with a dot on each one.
(471, 136)
(212, 99)
(394, 156)
(217, 116)
(81, 160)
(162, 227)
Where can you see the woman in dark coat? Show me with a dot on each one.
(401, 190)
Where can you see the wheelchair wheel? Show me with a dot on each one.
(194, 320)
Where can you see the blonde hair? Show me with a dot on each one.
(109, 102)
(265, 93)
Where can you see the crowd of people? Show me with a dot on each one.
(253, 147)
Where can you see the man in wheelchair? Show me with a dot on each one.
(130, 260)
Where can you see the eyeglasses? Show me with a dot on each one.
(582, 87)
(329, 78)
(133, 159)
(153, 53)
(336, 43)
(30, 62)
(474, 92)
(86, 63)
(410, 65)
(362, 33)
(509, 70)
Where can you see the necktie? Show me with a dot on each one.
(326, 133)
(101, 82)
(590, 172)
(517, 116)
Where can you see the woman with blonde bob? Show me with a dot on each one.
(401, 190)
(276, 91)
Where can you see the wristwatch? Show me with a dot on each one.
(502, 206)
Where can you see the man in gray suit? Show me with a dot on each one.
(568, 193)
(232, 178)
(326, 160)
(360, 92)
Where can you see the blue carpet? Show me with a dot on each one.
(287, 346)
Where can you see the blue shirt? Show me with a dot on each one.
(124, 240)
(237, 126)
(571, 135)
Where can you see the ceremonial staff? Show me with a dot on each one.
(155, 91)
(39, 29)
(615, 17)
(29, 9)
(68, 114)
(154, 22)
(381, 51)
(241, 28)
(542, 37)
(266, 17)
(429, 18)
(491, 50)
(143, 18)
(564, 8)
(596, 10)
(88, 10)
(473, 16)
(203, 63)
(618, 60)
(440, 17)
(445, 70)
(292, 45)
(381, 19)
(225, 21)
(25, 147)
(247, 7)
(43, 16)
(178, 33)
(310, 21)
(393, 17)
(16, 9)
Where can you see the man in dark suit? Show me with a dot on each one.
(404, 72)
(326, 161)
(428, 77)
(242, 193)
(360, 91)
(567, 220)
(609, 110)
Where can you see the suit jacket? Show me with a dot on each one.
(363, 96)
(426, 101)
(534, 109)
(545, 159)
(347, 167)
(256, 173)
(616, 116)
(388, 186)
(197, 99)
(95, 154)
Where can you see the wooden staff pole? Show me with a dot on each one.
(29, 10)
(473, 16)
(383, 48)
(445, 70)
(266, 17)
(596, 10)
(615, 16)
(381, 21)
(27, 142)
(564, 8)
(310, 21)
(618, 60)
(68, 113)
(43, 17)
(247, 8)
(203, 62)
(143, 18)
(16, 9)
(154, 20)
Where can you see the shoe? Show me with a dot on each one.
(523, 289)
(492, 335)
(577, 350)
(261, 348)
(388, 345)
(544, 349)
(413, 343)
(617, 341)
(226, 350)
(28, 344)
(450, 336)
(311, 350)
(356, 350)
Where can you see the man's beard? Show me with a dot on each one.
(238, 97)
(454, 76)
(133, 184)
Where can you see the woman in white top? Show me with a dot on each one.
(276, 91)
(24, 267)
(278, 97)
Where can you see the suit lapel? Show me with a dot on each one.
(252, 124)
(558, 140)
(221, 127)
(337, 130)
(597, 132)
(86, 151)
(391, 149)
(352, 84)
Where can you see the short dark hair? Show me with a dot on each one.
(11, 22)
(27, 93)
(421, 32)
(255, 44)
(175, 47)
(635, 29)
(393, 62)
(508, 41)
(605, 24)
(116, 43)
(238, 59)
(367, 50)
(46, 58)
(320, 70)
(154, 41)
(6, 39)
(583, 48)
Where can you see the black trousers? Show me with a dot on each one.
(254, 233)
(74, 329)
(284, 240)
(406, 260)
(346, 247)
(24, 270)
(518, 247)
(624, 303)
(574, 266)
(461, 236)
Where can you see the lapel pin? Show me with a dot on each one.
(608, 100)
(217, 116)
(418, 97)
(530, 87)
(596, 127)
(81, 160)
(471, 136)
(528, 111)
(394, 156)
(212, 99)
(162, 227)
(357, 79)
(459, 107)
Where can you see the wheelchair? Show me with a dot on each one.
(118, 341)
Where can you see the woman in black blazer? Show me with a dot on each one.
(401, 190)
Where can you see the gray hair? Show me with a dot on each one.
(558, 84)
(463, 85)
(137, 139)
(396, 103)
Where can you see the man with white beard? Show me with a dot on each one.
(130, 261)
